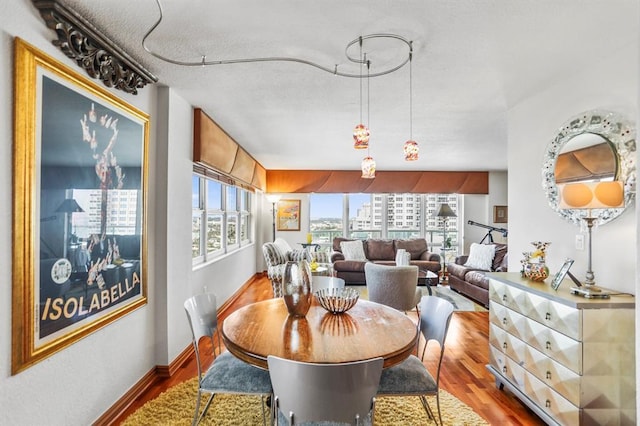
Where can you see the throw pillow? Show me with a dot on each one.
(353, 250)
(401, 258)
(481, 256)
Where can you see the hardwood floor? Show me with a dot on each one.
(464, 374)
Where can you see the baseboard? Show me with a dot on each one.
(112, 415)
(159, 372)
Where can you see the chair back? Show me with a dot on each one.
(394, 286)
(308, 392)
(435, 316)
(202, 314)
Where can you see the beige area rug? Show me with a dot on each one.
(460, 302)
(175, 407)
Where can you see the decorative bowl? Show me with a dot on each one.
(337, 300)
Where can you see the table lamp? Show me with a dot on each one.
(445, 212)
(588, 196)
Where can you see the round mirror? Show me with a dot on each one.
(593, 146)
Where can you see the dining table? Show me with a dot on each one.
(368, 330)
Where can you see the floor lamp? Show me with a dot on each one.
(591, 195)
(68, 207)
(444, 212)
(273, 199)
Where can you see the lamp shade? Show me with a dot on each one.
(368, 168)
(273, 198)
(361, 137)
(69, 205)
(410, 150)
(591, 195)
(445, 211)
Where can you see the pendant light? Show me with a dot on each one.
(368, 165)
(410, 147)
(361, 132)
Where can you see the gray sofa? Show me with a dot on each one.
(472, 282)
(382, 252)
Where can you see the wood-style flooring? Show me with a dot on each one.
(464, 372)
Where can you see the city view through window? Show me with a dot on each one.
(396, 216)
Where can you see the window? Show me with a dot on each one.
(221, 218)
(382, 216)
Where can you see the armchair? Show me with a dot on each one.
(276, 256)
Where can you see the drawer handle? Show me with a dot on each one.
(548, 375)
(547, 403)
(504, 297)
(504, 369)
(548, 316)
(548, 346)
(504, 345)
(504, 321)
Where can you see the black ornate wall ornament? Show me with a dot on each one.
(92, 50)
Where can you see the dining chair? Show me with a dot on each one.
(309, 392)
(411, 377)
(395, 286)
(227, 374)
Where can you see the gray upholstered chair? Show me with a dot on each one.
(395, 286)
(411, 377)
(308, 392)
(276, 256)
(227, 374)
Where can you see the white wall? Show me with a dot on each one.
(79, 383)
(610, 83)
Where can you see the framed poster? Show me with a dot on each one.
(500, 214)
(79, 208)
(288, 218)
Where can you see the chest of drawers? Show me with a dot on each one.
(570, 359)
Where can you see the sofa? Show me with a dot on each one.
(470, 280)
(351, 269)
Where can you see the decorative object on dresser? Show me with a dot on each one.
(470, 280)
(534, 265)
(570, 359)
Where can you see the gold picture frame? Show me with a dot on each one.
(79, 207)
(288, 218)
(500, 214)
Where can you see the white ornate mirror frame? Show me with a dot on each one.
(620, 133)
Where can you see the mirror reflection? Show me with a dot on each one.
(586, 157)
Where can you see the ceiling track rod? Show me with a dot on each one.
(332, 70)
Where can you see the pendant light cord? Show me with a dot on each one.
(411, 95)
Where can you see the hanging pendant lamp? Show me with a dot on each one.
(361, 132)
(368, 167)
(411, 147)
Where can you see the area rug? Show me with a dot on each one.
(459, 302)
(175, 407)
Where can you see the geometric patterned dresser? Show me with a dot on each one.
(570, 359)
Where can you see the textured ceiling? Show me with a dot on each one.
(473, 60)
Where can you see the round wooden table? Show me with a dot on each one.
(368, 330)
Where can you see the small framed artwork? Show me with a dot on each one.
(80, 158)
(500, 214)
(557, 279)
(288, 218)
